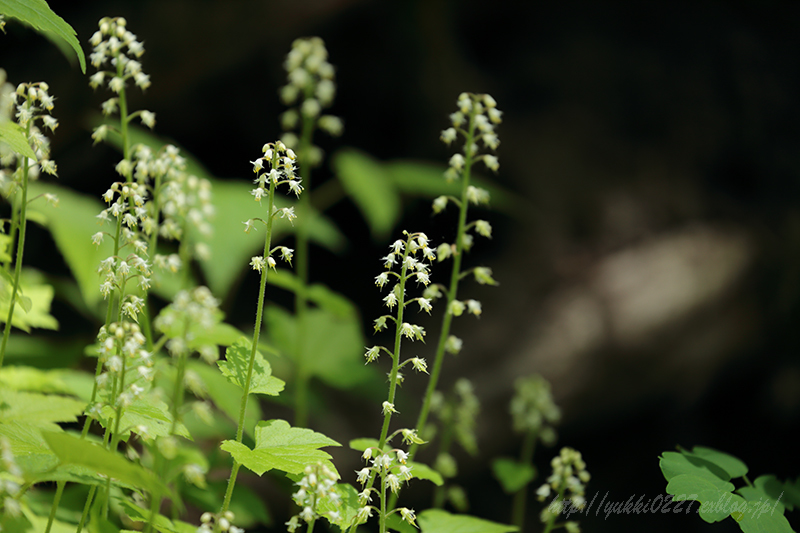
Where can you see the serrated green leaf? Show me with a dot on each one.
(13, 135)
(236, 364)
(282, 447)
(38, 14)
(423, 471)
(38, 409)
(512, 474)
(733, 466)
(438, 521)
(226, 396)
(368, 184)
(715, 496)
(30, 450)
(76, 451)
(334, 353)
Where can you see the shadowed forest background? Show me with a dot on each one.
(649, 265)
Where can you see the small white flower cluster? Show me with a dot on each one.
(568, 481)
(31, 105)
(114, 42)
(405, 254)
(275, 168)
(317, 487)
(475, 120)
(11, 481)
(180, 199)
(393, 469)
(533, 408)
(311, 86)
(460, 412)
(184, 321)
(125, 363)
(224, 522)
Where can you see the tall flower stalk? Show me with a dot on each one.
(310, 89)
(276, 167)
(33, 104)
(390, 469)
(474, 122)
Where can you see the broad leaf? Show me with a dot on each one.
(347, 509)
(12, 133)
(423, 471)
(33, 302)
(282, 447)
(732, 466)
(512, 474)
(147, 417)
(335, 351)
(38, 14)
(72, 225)
(76, 451)
(237, 363)
(367, 183)
(25, 378)
(715, 496)
(38, 409)
(225, 395)
(673, 464)
(438, 521)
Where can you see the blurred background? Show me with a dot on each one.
(650, 267)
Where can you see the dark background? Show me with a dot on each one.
(653, 272)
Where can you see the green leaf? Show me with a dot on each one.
(226, 395)
(38, 14)
(25, 378)
(762, 517)
(77, 451)
(282, 447)
(715, 496)
(33, 302)
(161, 522)
(237, 363)
(731, 465)
(362, 444)
(423, 471)
(321, 295)
(149, 412)
(347, 509)
(512, 474)
(673, 464)
(438, 521)
(72, 225)
(426, 179)
(13, 134)
(333, 347)
(368, 184)
(30, 450)
(38, 409)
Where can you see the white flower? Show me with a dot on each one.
(257, 262)
(388, 408)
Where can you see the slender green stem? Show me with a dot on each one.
(23, 210)
(256, 334)
(401, 303)
(521, 497)
(452, 292)
(54, 507)
(302, 261)
(383, 501)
